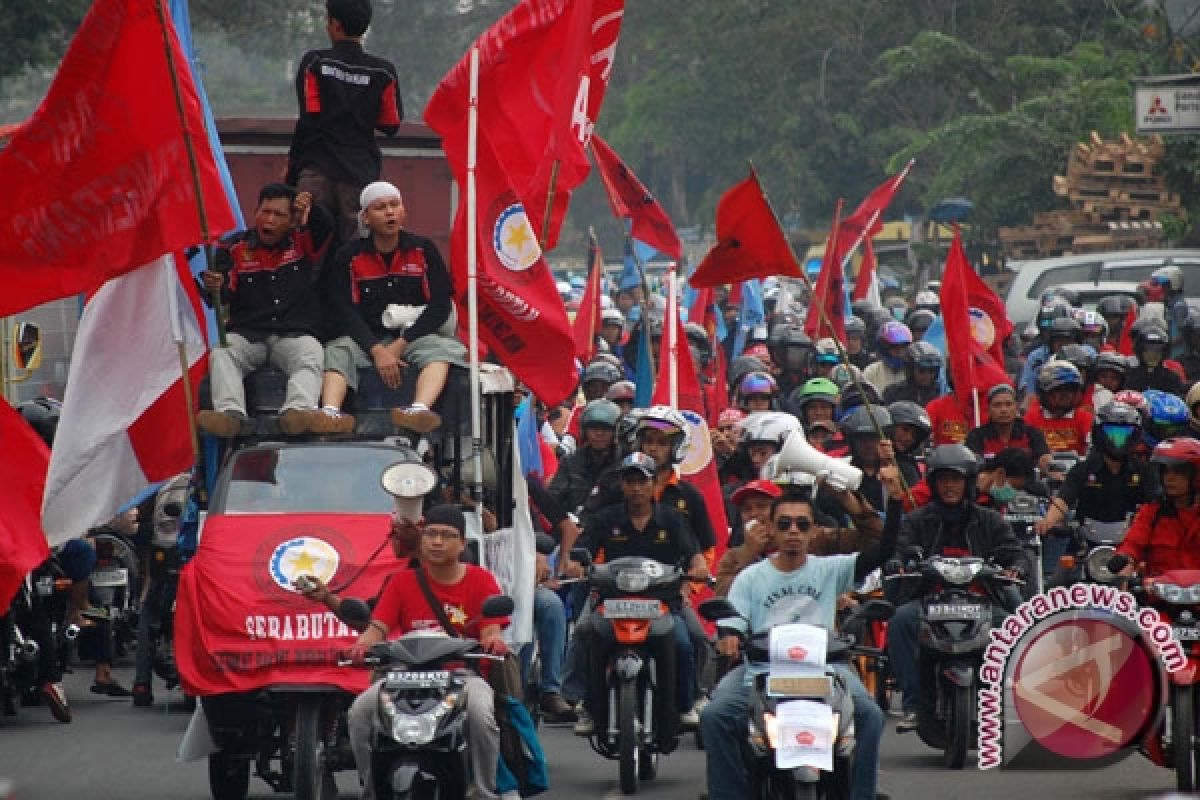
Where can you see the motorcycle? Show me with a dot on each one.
(1061, 462)
(956, 597)
(863, 624)
(782, 682)
(116, 586)
(630, 624)
(1021, 513)
(418, 741)
(44, 593)
(1175, 594)
(1091, 545)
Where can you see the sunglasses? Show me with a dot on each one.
(784, 524)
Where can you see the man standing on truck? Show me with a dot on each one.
(344, 95)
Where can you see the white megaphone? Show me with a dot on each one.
(798, 455)
(408, 482)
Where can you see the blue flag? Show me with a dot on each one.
(528, 438)
(936, 336)
(751, 315)
(644, 376)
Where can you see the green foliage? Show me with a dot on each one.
(35, 32)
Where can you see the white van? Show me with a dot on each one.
(1092, 276)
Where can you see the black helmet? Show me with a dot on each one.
(904, 412)
(1153, 332)
(1117, 429)
(698, 338)
(1065, 328)
(924, 355)
(861, 308)
(602, 413)
(601, 371)
(1083, 356)
(743, 366)
(1114, 305)
(1050, 312)
(953, 457)
(621, 390)
(856, 326)
(859, 423)
(1110, 360)
(852, 398)
(919, 319)
(42, 415)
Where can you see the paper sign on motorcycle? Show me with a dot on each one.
(805, 735)
(797, 654)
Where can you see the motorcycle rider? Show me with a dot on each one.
(952, 524)
(1162, 534)
(1189, 357)
(638, 527)
(893, 340)
(922, 368)
(1050, 341)
(579, 472)
(1150, 346)
(1058, 413)
(808, 586)
(402, 608)
(1005, 429)
(1114, 308)
(856, 340)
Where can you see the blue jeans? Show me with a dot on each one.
(550, 627)
(723, 724)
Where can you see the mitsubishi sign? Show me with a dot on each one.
(1167, 104)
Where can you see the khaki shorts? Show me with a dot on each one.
(345, 357)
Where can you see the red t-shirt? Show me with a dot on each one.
(1062, 433)
(949, 423)
(403, 607)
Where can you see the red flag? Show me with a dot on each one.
(972, 370)
(750, 243)
(1125, 343)
(630, 200)
(587, 320)
(981, 296)
(870, 210)
(543, 72)
(239, 625)
(97, 182)
(22, 480)
(866, 271)
(830, 291)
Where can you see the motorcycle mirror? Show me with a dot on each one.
(878, 610)
(545, 543)
(580, 555)
(354, 611)
(499, 605)
(716, 608)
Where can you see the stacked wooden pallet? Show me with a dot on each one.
(1116, 196)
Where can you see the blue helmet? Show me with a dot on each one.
(1166, 415)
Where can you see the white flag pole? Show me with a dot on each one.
(672, 335)
(472, 282)
(172, 280)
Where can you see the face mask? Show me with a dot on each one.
(1003, 494)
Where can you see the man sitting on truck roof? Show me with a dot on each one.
(391, 295)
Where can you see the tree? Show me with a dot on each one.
(34, 33)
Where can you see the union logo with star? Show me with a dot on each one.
(513, 239)
(303, 555)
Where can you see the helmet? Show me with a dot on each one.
(621, 390)
(1068, 296)
(1065, 328)
(815, 389)
(601, 371)
(1117, 429)
(669, 421)
(827, 352)
(698, 338)
(730, 416)
(602, 413)
(653, 322)
(1050, 312)
(919, 320)
(608, 358)
(859, 422)
(1055, 374)
(1178, 452)
(756, 383)
(904, 412)
(1169, 277)
(855, 326)
(851, 398)
(768, 426)
(844, 375)
(1133, 399)
(1091, 322)
(627, 428)
(1114, 305)
(1082, 356)
(743, 366)
(1166, 415)
(862, 308)
(612, 316)
(928, 301)
(778, 331)
(893, 332)
(794, 350)
(954, 458)
(897, 306)
(1191, 324)
(1111, 361)
(42, 415)
(1192, 399)
(924, 355)
(1149, 331)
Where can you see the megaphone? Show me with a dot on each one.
(408, 482)
(798, 455)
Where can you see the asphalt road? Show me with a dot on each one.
(113, 750)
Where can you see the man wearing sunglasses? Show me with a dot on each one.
(1108, 485)
(793, 586)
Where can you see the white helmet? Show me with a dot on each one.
(612, 315)
(671, 422)
(1170, 277)
(768, 426)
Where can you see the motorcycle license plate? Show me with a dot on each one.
(1186, 634)
(110, 577)
(799, 685)
(417, 680)
(947, 612)
(621, 608)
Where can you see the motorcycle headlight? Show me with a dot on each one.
(958, 572)
(630, 581)
(772, 726)
(1097, 564)
(414, 729)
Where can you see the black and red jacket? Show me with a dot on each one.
(363, 282)
(272, 289)
(344, 95)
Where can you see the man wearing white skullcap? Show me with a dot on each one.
(391, 298)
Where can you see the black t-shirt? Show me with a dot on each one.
(666, 537)
(1104, 496)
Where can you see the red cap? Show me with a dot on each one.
(761, 486)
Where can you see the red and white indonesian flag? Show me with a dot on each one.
(124, 421)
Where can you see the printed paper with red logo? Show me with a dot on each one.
(239, 623)
(805, 735)
(797, 647)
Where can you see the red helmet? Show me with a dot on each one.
(1177, 452)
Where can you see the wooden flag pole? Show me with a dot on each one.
(549, 213)
(832, 242)
(197, 188)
